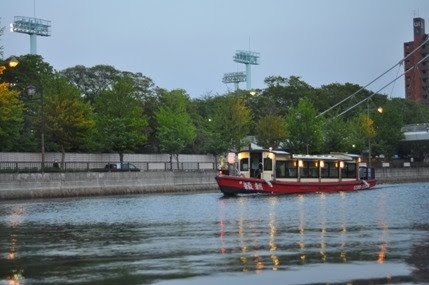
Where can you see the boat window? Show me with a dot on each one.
(310, 169)
(286, 169)
(330, 170)
(244, 164)
(268, 164)
(349, 170)
(324, 173)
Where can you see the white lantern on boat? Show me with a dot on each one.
(231, 158)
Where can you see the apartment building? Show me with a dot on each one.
(416, 54)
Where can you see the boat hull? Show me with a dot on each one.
(235, 185)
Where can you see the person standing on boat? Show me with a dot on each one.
(258, 171)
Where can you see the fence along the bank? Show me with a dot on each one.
(29, 162)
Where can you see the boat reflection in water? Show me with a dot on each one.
(307, 230)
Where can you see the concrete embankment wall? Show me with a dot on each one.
(403, 174)
(50, 185)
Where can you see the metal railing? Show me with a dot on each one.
(36, 166)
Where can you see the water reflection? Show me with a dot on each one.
(308, 230)
(343, 228)
(382, 224)
(15, 273)
(272, 233)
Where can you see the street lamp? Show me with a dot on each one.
(11, 62)
(32, 91)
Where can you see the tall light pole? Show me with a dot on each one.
(33, 27)
(31, 91)
(248, 58)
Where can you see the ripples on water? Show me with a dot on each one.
(370, 237)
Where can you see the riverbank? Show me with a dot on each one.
(59, 185)
(73, 184)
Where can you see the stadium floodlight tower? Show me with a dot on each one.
(33, 27)
(234, 77)
(248, 58)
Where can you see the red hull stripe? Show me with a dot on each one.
(232, 185)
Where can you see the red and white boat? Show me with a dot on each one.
(278, 172)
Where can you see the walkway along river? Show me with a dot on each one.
(70, 184)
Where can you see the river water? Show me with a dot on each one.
(378, 236)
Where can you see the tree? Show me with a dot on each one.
(29, 72)
(67, 118)
(199, 110)
(364, 131)
(334, 93)
(120, 124)
(388, 122)
(412, 112)
(11, 119)
(304, 129)
(271, 131)
(175, 128)
(229, 124)
(92, 81)
(279, 98)
(339, 135)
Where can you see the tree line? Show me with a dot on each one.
(102, 109)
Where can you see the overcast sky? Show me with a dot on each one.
(190, 44)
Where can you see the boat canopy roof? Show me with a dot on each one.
(327, 157)
(261, 150)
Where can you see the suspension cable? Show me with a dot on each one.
(370, 96)
(378, 77)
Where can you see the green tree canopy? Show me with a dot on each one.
(91, 81)
(339, 136)
(67, 117)
(388, 121)
(305, 131)
(120, 124)
(175, 127)
(11, 117)
(271, 131)
(228, 124)
(29, 72)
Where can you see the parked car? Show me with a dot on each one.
(118, 166)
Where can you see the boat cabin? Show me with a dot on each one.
(284, 166)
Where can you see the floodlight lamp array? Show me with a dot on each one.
(31, 26)
(234, 77)
(247, 57)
